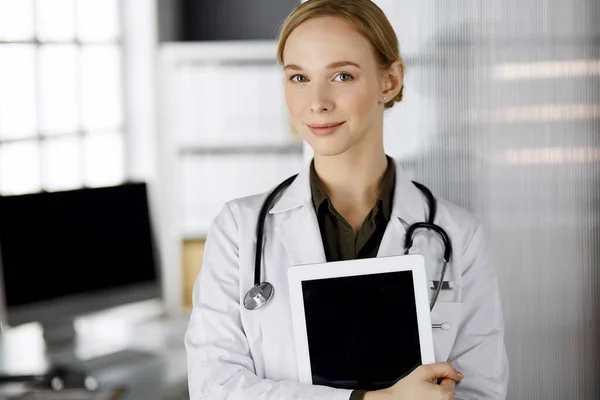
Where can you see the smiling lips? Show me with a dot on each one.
(324, 129)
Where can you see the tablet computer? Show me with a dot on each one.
(360, 324)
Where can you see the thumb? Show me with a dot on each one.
(447, 385)
(430, 372)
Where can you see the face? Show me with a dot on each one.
(333, 86)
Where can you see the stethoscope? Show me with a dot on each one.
(262, 292)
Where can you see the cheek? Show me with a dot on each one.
(295, 103)
(359, 102)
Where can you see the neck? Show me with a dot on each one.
(352, 180)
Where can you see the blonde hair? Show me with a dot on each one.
(364, 15)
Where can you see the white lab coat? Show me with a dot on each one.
(238, 354)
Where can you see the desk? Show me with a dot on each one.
(134, 346)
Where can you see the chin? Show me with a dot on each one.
(327, 147)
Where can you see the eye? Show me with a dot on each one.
(298, 78)
(343, 77)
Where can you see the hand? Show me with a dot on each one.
(420, 384)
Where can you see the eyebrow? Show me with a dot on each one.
(336, 64)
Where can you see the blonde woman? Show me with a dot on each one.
(342, 70)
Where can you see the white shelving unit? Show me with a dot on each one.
(223, 133)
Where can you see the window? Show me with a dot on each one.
(61, 95)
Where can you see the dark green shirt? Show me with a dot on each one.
(337, 234)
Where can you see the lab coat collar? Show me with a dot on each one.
(298, 194)
(409, 204)
(300, 232)
(408, 208)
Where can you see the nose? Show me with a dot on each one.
(321, 101)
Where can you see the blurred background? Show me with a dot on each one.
(126, 124)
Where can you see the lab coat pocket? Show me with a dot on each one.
(451, 287)
(445, 315)
(429, 245)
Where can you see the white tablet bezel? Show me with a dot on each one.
(299, 273)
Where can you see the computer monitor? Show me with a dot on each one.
(66, 254)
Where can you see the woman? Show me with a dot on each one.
(343, 69)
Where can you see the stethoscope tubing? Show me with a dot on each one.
(255, 299)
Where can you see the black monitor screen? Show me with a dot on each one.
(75, 242)
(203, 20)
(362, 330)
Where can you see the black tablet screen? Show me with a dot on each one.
(362, 330)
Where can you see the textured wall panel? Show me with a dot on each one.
(502, 116)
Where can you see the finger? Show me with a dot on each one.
(430, 372)
(447, 385)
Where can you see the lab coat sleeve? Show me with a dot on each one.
(220, 364)
(479, 351)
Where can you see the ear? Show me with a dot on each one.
(392, 81)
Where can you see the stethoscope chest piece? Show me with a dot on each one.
(258, 296)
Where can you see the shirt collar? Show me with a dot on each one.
(408, 202)
(385, 198)
(386, 191)
(319, 195)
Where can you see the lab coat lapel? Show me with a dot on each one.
(408, 208)
(392, 243)
(299, 229)
(301, 237)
